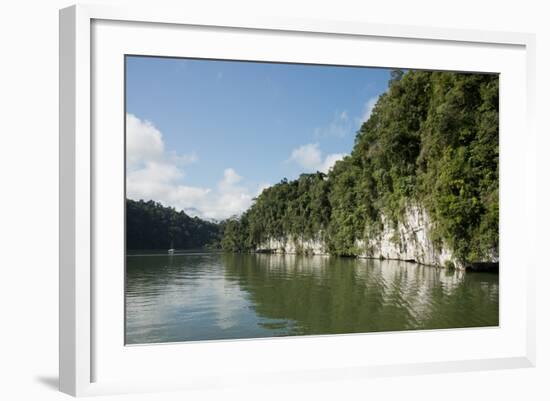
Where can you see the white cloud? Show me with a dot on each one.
(330, 160)
(153, 173)
(143, 141)
(160, 182)
(310, 158)
(229, 199)
(307, 156)
(368, 108)
(230, 177)
(261, 187)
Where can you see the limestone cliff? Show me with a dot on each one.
(409, 240)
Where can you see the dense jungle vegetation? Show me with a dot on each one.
(149, 225)
(431, 140)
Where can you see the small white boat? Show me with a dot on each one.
(171, 250)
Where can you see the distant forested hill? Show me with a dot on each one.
(432, 140)
(149, 225)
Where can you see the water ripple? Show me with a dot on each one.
(204, 296)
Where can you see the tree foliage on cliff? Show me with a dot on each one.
(432, 139)
(149, 225)
(298, 207)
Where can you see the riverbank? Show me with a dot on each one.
(319, 250)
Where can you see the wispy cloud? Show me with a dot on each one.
(339, 126)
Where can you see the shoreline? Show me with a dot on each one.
(482, 267)
(485, 267)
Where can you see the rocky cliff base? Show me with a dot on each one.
(408, 241)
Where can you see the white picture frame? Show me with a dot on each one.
(92, 39)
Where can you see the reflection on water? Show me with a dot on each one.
(206, 296)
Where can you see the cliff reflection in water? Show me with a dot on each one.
(345, 295)
(216, 296)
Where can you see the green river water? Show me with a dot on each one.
(199, 295)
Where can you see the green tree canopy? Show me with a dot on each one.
(432, 139)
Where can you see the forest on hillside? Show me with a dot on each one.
(432, 140)
(152, 226)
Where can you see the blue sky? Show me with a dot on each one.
(206, 136)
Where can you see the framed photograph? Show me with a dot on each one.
(274, 200)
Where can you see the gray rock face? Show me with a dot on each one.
(293, 246)
(410, 241)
